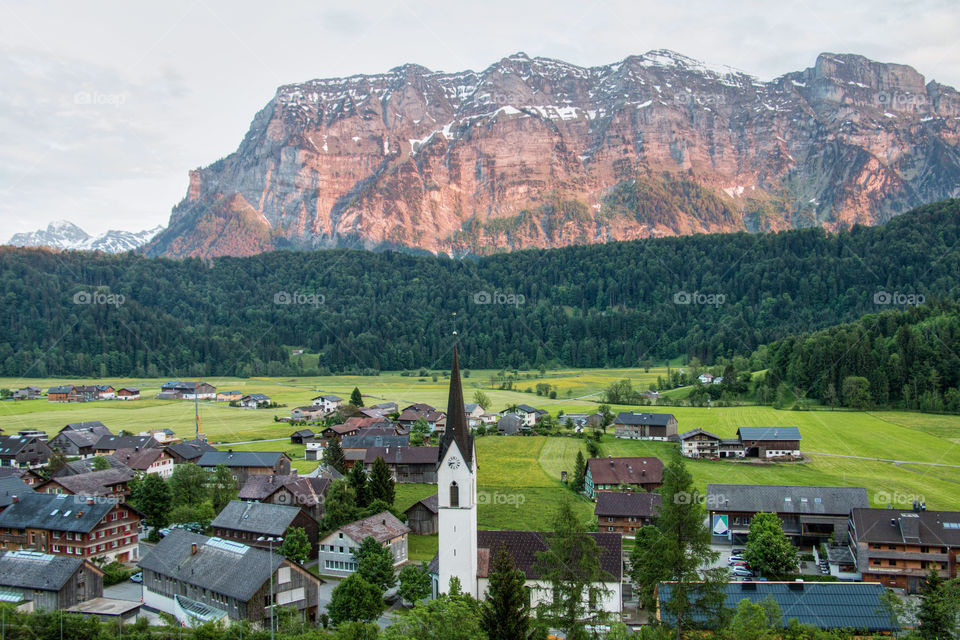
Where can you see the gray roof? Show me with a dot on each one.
(240, 458)
(12, 445)
(12, 486)
(653, 419)
(54, 512)
(256, 517)
(191, 449)
(85, 465)
(34, 570)
(125, 442)
(769, 433)
(825, 605)
(899, 526)
(694, 432)
(526, 408)
(365, 442)
(94, 483)
(229, 568)
(785, 499)
(89, 425)
(621, 504)
(382, 527)
(430, 502)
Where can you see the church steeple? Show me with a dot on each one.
(457, 428)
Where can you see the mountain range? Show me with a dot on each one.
(535, 152)
(63, 234)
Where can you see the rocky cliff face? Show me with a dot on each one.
(538, 152)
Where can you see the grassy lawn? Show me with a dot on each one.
(421, 548)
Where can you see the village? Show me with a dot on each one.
(73, 505)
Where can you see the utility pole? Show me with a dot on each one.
(270, 540)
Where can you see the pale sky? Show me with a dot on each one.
(105, 106)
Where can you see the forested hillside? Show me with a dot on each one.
(618, 304)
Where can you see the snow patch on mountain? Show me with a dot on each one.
(65, 235)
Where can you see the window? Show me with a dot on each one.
(892, 563)
(609, 528)
(609, 519)
(454, 495)
(283, 575)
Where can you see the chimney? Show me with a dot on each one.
(89, 500)
(79, 513)
(193, 549)
(893, 522)
(15, 499)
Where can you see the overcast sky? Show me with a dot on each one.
(105, 106)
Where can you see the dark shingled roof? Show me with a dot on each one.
(236, 574)
(382, 527)
(825, 605)
(85, 465)
(94, 483)
(54, 512)
(365, 442)
(11, 486)
(402, 455)
(138, 459)
(457, 428)
(12, 445)
(769, 433)
(240, 458)
(695, 432)
(934, 528)
(191, 449)
(33, 570)
(256, 517)
(308, 491)
(430, 502)
(524, 545)
(772, 499)
(622, 504)
(652, 419)
(126, 442)
(642, 470)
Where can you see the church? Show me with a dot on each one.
(466, 552)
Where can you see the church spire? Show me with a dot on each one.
(457, 429)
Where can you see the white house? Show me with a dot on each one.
(328, 403)
(705, 378)
(337, 549)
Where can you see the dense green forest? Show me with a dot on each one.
(618, 304)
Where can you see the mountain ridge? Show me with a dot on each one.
(65, 235)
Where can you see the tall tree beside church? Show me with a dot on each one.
(505, 614)
(358, 482)
(356, 399)
(381, 486)
(333, 457)
(679, 550)
(571, 566)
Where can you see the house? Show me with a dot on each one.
(614, 474)
(510, 424)
(179, 390)
(255, 401)
(523, 546)
(198, 579)
(698, 443)
(301, 436)
(24, 452)
(327, 403)
(314, 450)
(810, 515)
(528, 414)
(770, 442)
(86, 465)
(705, 378)
(833, 606)
(10, 488)
(650, 394)
(243, 464)
(29, 392)
(113, 483)
(581, 420)
(337, 548)
(189, 451)
(87, 392)
(625, 513)
(105, 392)
(110, 443)
(340, 430)
(229, 396)
(386, 407)
(247, 522)
(474, 414)
(62, 393)
(163, 436)
(644, 426)
(306, 414)
(79, 438)
(436, 420)
(897, 548)
(407, 464)
(364, 442)
(146, 461)
(422, 516)
(308, 493)
(81, 526)
(47, 582)
(29, 478)
(128, 393)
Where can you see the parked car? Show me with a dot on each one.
(137, 577)
(735, 559)
(741, 571)
(164, 532)
(740, 563)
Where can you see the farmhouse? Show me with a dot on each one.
(422, 516)
(436, 420)
(198, 579)
(189, 451)
(810, 515)
(108, 482)
(29, 392)
(46, 582)
(897, 549)
(179, 390)
(246, 522)
(302, 436)
(163, 436)
(407, 464)
(474, 413)
(62, 393)
(307, 414)
(110, 443)
(128, 393)
(770, 442)
(79, 438)
(299, 491)
(146, 461)
(625, 513)
(255, 401)
(24, 452)
(87, 465)
(614, 474)
(327, 403)
(79, 526)
(229, 396)
(243, 464)
(644, 426)
(337, 548)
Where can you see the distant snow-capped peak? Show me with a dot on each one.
(63, 234)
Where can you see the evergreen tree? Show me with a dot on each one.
(55, 462)
(296, 545)
(505, 614)
(340, 506)
(939, 606)
(375, 564)
(333, 456)
(381, 482)
(358, 482)
(356, 399)
(579, 473)
(189, 484)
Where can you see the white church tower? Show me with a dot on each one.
(457, 494)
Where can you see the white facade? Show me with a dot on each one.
(457, 520)
(541, 592)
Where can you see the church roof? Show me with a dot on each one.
(457, 429)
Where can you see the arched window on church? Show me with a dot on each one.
(454, 495)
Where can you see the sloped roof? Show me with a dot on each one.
(89, 425)
(825, 605)
(256, 517)
(240, 458)
(769, 433)
(934, 528)
(138, 459)
(697, 432)
(622, 504)
(12, 445)
(229, 568)
(432, 504)
(309, 491)
(365, 442)
(33, 570)
(191, 449)
(125, 442)
(457, 428)
(382, 527)
(402, 455)
(640, 470)
(94, 483)
(11, 486)
(85, 465)
(652, 419)
(524, 545)
(774, 499)
(53, 511)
